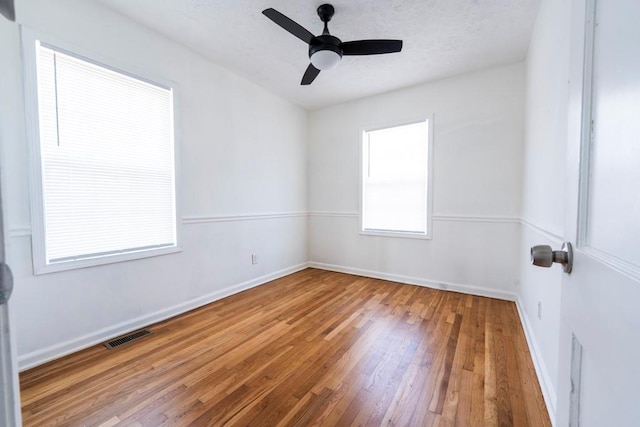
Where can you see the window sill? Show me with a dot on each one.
(402, 235)
(103, 260)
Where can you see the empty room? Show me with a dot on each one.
(278, 213)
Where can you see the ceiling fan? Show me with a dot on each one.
(325, 50)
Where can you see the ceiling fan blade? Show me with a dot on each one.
(7, 9)
(288, 24)
(309, 75)
(371, 47)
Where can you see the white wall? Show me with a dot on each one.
(543, 186)
(478, 142)
(253, 164)
(243, 189)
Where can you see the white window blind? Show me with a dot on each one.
(394, 183)
(107, 159)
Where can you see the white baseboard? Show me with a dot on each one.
(548, 392)
(435, 284)
(30, 360)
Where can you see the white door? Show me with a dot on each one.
(599, 382)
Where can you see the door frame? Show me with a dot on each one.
(11, 409)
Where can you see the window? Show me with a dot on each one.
(395, 180)
(104, 173)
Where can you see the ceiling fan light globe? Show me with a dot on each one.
(325, 59)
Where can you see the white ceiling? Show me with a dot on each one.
(441, 38)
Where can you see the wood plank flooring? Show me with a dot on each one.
(312, 348)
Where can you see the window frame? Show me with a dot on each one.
(398, 234)
(29, 38)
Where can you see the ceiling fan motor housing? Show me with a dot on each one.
(325, 42)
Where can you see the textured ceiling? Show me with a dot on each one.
(441, 38)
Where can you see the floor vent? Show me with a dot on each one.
(117, 342)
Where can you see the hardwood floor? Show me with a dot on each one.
(313, 348)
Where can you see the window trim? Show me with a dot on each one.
(29, 38)
(398, 234)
